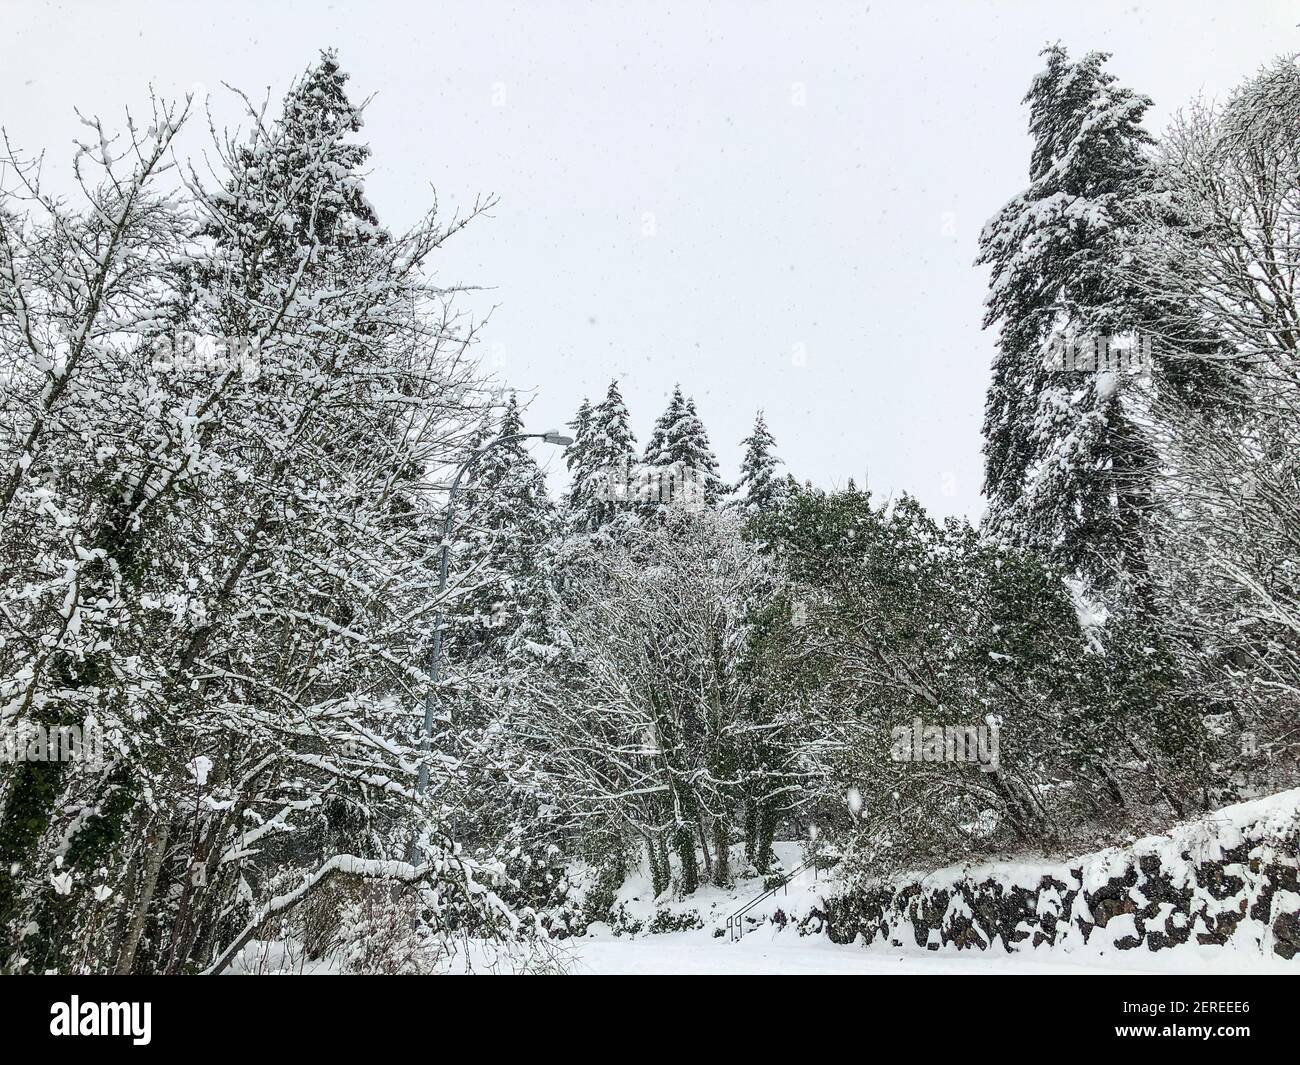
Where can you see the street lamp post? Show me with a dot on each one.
(435, 657)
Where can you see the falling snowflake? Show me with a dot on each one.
(855, 802)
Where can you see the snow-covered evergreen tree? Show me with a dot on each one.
(679, 461)
(509, 519)
(504, 542)
(577, 499)
(1065, 467)
(759, 489)
(310, 173)
(602, 467)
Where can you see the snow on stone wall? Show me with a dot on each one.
(1229, 878)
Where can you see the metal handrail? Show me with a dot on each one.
(736, 922)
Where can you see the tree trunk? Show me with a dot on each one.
(722, 851)
(157, 850)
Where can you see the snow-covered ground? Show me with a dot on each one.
(771, 942)
(766, 951)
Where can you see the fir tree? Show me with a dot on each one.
(295, 211)
(602, 466)
(1064, 465)
(758, 489)
(312, 176)
(581, 488)
(658, 451)
(510, 519)
(678, 450)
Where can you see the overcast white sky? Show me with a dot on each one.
(774, 204)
